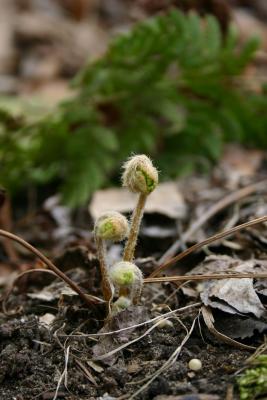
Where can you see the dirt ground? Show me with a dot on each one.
(33, 358)
(50, 342)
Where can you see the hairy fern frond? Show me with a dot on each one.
(170, 88)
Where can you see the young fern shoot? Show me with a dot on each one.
(140, 176)
(128, 278)
(125, 278)
(110, 226)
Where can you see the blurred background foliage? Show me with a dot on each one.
(173, 87)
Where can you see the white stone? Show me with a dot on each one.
(195, 364)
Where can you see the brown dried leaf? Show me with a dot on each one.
(209, 321)
(126, 318)
(239, 328)
(166, 200)
(230, 295)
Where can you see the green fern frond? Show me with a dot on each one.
(170, 88)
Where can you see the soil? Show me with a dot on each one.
(41, 359)
(33, 356)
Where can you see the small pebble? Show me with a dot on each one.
(195, 364)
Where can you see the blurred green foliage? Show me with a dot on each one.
(172, 88)
(253, 382)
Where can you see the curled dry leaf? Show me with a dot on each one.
(239, 296)
(239, 328)
(230, 295)
(209, 321)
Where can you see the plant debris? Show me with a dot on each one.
(234, 296)
(54, 334)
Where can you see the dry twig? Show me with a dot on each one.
(88, 300)
(211, 212)
(209, 321)
(209, 240)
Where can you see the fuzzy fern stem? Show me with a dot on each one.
(105, 283)
(134, 229)
(111, 226)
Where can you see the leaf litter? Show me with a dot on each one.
(235, 311)
(234, 296)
